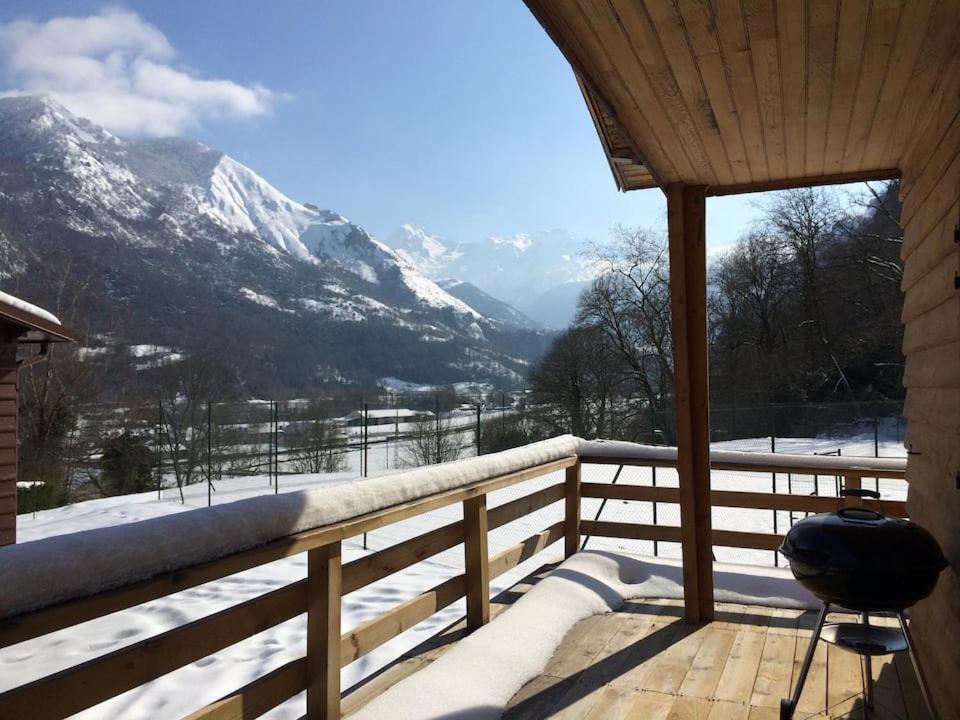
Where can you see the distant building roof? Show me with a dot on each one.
(388, 413)
(37, 324)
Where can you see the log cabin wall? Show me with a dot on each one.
(8, 436)
(931, 314)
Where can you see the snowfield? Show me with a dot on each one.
(190, 687)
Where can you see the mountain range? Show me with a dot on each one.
(541, 274)
(178, 245)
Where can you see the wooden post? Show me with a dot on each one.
(572, 517)
(8, 437)
(323, 632)
(686, 207)
(476, 561)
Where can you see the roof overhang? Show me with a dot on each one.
(30, 323)
(740, 96)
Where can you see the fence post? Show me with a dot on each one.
(276, 447)
(159, 449)
(476, 561)
(366, 439)
(478, 429)
(323, 632)
(571, 524)
(209, 457)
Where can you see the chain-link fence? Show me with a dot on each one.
(199, 452)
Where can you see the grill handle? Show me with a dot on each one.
(860, 493)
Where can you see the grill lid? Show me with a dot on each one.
(865, 540)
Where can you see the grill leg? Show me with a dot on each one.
(788, 706)
(867, 674)
(914, 658)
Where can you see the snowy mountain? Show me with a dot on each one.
(489, 306)
(177, 233)
(524, 270)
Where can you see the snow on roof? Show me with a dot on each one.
(477, 677)
(389, 413)
(29, 308)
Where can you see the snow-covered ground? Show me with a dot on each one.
(206, 680)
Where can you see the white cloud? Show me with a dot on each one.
(119, 71)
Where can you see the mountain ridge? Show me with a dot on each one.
(174, 229)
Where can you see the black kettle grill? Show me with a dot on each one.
(862, 560)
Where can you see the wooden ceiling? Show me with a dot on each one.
(748, 95)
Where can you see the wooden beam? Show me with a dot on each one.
(686, 207)
(572, 515)
(476, 561)
(323, 632)
(8, 435)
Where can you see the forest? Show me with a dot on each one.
(805, 308)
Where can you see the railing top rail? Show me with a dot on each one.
(160, 556)
(63, 568)
(626, 453)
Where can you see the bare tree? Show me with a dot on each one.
(431, 440)
(630, 304)
(318, 445)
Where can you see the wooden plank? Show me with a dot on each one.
(476, 561)
(776, 667)
(650, 706)
(79, 687)
(940, 326)
(515, 554)
(673, 662)
(739, 672)
(688, 303)
(655, 93)
(821, 50)
(698, 22)
(256, 698)
(324, 592)
(852, 26)
(370, 635)
(844, 679)
(756, 541)
(792, 32)
(760, 20)
(631, 531)
(735, 51)
(934, 84)
(936, 247)
(507, 512)
(799, 464)
(73, 612)
(882, 33)
(671, 57)
(934, 289)
(644, 493)
(914, 27)
(572, 510)
(814, 696)
(929, 213)
(704, 673)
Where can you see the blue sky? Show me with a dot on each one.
(460, 117)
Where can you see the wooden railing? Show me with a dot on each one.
(319, 595)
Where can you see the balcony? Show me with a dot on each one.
(649, 656)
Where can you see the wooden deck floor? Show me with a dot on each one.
(644, 663)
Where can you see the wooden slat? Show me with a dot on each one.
(476, 561)
(662, 24)
(792, 33)
(881, 36)
(731, 33)
(370, 568)
(644, 493)
(821, 53)
(76, 611)
(698, 22)
(851, 34)
(761, 26)
(799, 464)
(515, 554)
(752, 540)
(77, 688)
(572, 510)
(933, 249)
(256, 698)
(631, 531)
(372, 634)
(324, 591)
(914, 27)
